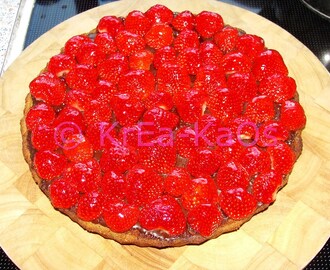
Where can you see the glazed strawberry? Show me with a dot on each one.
(118, 158)
(127, 108)
(139, 83)
(176, 182)
(278, 87)
(224, 104)
(209, 78)
(120, 216)
(159, 99)
(172, 78)
(97, 111)
(163, 214)
(292, 115)
(236, 62)
(82, 77)
(190, 60)
(186, 39)
(73, 44)
(226, 39)
(184, 20)
(77, 99)
(43, 138)
(244, 129)
(143, 185)
(203, 162)
(48, 88)
(266, 185)
(210, 53)
(267, 63)
(159, 14)
(282, 157)
(237, 203)
(128, 43)
(141, 60)
(68, 117)
(208, 23)
(271, 132)
(110, 24)
(101, 134)
(255, 160)
(250, 45)
(205, 219)
(89, 206)
(244, 85)
(229, 149)
(49, 164)
(89, 54)
(60, 64)
(132, 136)
(186, 141)
(137, 22)
(191, 105)
(201, 190)
(159, 35)
(113, 67)
(232, 175)
(105, 43)
(207, 129)
(104, 91)
(77, 148)
(84, 175)
(40, 113)
(260, 109)
(114, 184)
(164, 55)
(63, 194)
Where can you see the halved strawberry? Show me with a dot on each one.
(105, 43)
(89, 206)
(244, 85)
(210, 53)
(82, 77)
(63, 194)
(137, 22)
(163, 214)
(141, 60)
(159, 35)
(226, 39)
(77, 148)
(250, 45)
(292, 115)
(260, 109)
(159, 14)
(203, 162)
(164, 55)
(176, 181)
(60, 64)
(89, 53)
(184, 20)
(72, 46)
(114, 184)
(186, 39)
(282, 157)
(233, 62)
(255, 160)
(208, 23)
(110, 24)
(129, 43)
(40, 113)
(49, 164)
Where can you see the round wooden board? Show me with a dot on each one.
(286, 236)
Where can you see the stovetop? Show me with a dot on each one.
(304, 23)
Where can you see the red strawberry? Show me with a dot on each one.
(205, 219)
(77, 148)
(43, 138)
(97, 111)
(73, 44)
(184, 20)
(164, 55)
(266, 185)
(159, 14)
(131, 136)
(159, 35)
(89, 53)
(229, 149)
(209, 78)
(224, 104)
(120, 216)
(226, 39)
(232, 175)
(89, 206)
(176, 182)
(110, 24)
(105, 43)
(186, 141)
(63, 194)
(113, 67)
(159, 99)
(191, 105)
(267, 63)
(210, 53)
(68, 117)
(104, 91)
(77, 99)
(208, 23)
(201, 190)
(260, 109)
(127, 108)
(49, 88)
(203, 162)
(244, 85)
(250, 45)
(189, 59)
(271, 132)
(186, 39)
(60, 64)
(137, 22)
(236, 62)
(141, 60)
(48, 164)
(114, 185)
(282, 157)
(143, 185)
(139, 83)
(255, 160)
(118, 158)
(82, 77)
(85, 175)
(101, 134)
(128, 43)
(163, 214)
(39, 114)
(292, 115)
(237, 203)
(243, 128)
(207, 129)
(278, 87)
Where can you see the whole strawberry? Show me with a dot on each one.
(208, 23)
(43, 138)
(106, 43)
(159, 36)
(82, 77)
(97, 111)
(164, 55)
(244, 85)
(89, 53)
(137, 22)
(203, 162)
(77, 148)
(128, 43)
(159, 14)
(73, 44)
(292, 115)
(233, 62)
(63, 194)
(184, 20)
(226, 39)
(60, 64)
(176, 182)
(210, 53)
(255, 160)
(89, 206)
(110, 24)
(250, 45)
(49, 164)
(282, 157)
(114, 184)
(186, 39)
(260, 109)
(39, 114)
(141, 60)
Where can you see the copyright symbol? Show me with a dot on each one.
(63, 132)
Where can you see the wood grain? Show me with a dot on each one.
(286, 236)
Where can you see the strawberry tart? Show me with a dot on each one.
(161, 128)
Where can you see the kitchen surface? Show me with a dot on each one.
(22, 22)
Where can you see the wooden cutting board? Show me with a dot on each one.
(286, 236)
